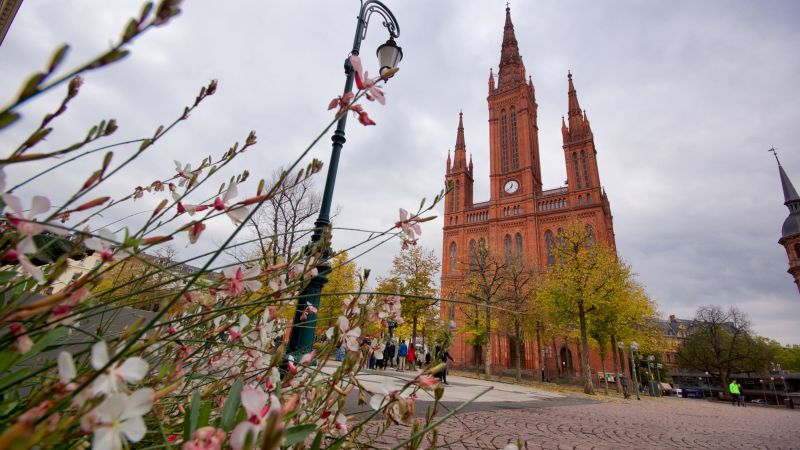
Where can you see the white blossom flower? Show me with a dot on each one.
(131, 371)
(119, 418)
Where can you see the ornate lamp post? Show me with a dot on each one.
(650, 360)
(635, 348)
(708, 383)
(763, 390)
(389, 54)
(658, 375)
(702, 387)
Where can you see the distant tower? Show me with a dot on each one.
(8, 9)
(790, 233)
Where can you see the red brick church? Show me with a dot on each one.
(520, 217)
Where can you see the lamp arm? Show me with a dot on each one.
(389, 21)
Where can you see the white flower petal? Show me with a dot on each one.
(134, 428)
(133, 369)
(106, 438)
(376, 401)
(13, 202)
(231, 193)
(26, 246)
(99, 355)
(239, 434)
(112, 408)
(39, 205)
(94, 244)
(139, 403)
(66, 367)
(238, 214)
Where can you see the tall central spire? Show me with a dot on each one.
(512, 71)
(460, 156)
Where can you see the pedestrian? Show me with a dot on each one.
(377, 351)
(402, 353)
(733, 388)
(445, 357)
(741, 395)
(624, 381)
(411, 356)
(391, 351)
(427, 359)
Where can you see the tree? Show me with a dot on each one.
(413, 276)
(343, 277)
(518, 291)
(586, 274)
(720, 343)
(483, 287)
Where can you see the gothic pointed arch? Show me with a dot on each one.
(550, 246)
(452, 257)
(514, 146)
(518, 246)
(503, 141)
(507, 248)
(585, 168)
(473, 255)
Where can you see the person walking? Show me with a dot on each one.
(445, 357)
(402, 354)
(411, 356)
(741, 395)
(391, 349)
(733, 388)
(427, 359)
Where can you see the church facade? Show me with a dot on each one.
(521, 217)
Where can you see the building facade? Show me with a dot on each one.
(520, 218)
(790, 232)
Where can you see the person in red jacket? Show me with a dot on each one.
(411, 355)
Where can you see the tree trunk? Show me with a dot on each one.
(614, 358)
(487, 363)
(414, 331)
(539, 355)
(580, 356)
(603, 368)
(557, 356)
(516, 344)
(587, 376)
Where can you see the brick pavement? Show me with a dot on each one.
(647, 424)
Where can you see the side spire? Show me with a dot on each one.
(789, 192)
(574, 106)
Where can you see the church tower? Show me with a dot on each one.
(790, 233)
(520, 221)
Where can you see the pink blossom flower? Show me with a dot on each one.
(25, 223)
(103, 243)
(364, 82)
(239, 278)
(185, 172)
(206, 438)
(130, 371)
(22, 341)
(258, 406)
(409, 225)
(191, 209)
(427, 382)
(340, 424)
(237, 213)
(195, 229)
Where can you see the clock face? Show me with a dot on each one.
(511, 186)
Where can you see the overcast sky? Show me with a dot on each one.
(685, 98)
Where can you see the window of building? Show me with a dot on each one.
(507, 248)
(518, 245)
(580, 200)
(577, 171)
(482, 250)
(473, 255)
(585, 166)
(550, 245)
(514, 150)
(452, 257)
(589, 235)
(458, 194)
(503, 141)
(588, 198)
(797, 250)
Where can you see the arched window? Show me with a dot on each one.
(503, 141)
(514, 150)
(507, 248)
(560, 243)
(451, 307)
(452, 257)
(577, 172)
(585, 166)
(458, 194)
(580, 200)
(482, 250)
(473, 256)
(550, 245)
(797, 250)
(518, 245)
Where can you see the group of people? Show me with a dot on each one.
(403, 356)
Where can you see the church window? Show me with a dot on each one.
(473, 256)
(577, 172)
(561, 243)
(589, 235)
(580, 200)
(518, 245)
(588, 198)
(585, 169)
(482, 252)
(451, 308)
(452, 257)
(503, 141)
(458, 194)
(550, 245)
(507, 248)
(514, 147)
(797, 251)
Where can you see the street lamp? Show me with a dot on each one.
(710, 392)
(763, 390)
(650, 360)
(635, 348)
(389, 54)
(702, 387)
(658, 374)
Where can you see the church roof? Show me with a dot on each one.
(791, 226)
